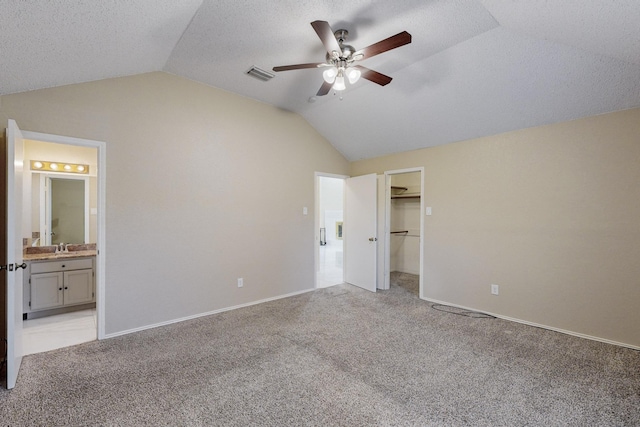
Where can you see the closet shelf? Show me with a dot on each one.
(399, 193)
(399, 232)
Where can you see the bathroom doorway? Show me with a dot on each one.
(50, 221)
(329, 218)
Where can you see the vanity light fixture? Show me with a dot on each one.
(41, 165)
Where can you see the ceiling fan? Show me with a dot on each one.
(341, 58)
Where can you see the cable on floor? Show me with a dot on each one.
(461, 312)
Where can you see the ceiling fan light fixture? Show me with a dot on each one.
(329, 75)
(353, 74)
(339, 84)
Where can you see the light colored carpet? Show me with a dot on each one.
(335, 356)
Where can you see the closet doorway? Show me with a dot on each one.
(329, 216)
(404, 229)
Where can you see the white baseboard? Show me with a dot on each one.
(537, 325)
(195, 316)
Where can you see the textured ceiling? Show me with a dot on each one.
(474, 67)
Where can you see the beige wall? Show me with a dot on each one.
(551, 214)
(203, 187)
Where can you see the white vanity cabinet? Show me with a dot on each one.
(58, 284)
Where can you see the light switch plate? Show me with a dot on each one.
(305, 211)
(428, 210)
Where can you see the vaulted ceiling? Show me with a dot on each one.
(474, 67)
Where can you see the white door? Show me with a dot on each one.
(15, 148)
(360, 231)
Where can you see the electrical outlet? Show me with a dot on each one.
(495, 289)
(240, 282)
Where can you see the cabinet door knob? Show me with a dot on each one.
(66, 287)
(23, 265)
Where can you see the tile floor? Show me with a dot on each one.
(61, 330)
(330, 264)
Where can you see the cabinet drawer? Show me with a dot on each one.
(62, 265)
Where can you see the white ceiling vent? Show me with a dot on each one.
(260, 74)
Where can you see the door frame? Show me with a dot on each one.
(387, 226)
(12, 248)
(101, 147)
(316, 214)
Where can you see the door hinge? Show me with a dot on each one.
(29, 304)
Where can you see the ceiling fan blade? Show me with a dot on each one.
(298, 66)
(382, 46)
(373, 76)
(327, 37)
(324, 89)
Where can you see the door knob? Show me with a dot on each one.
(373, 239)
(23, 265)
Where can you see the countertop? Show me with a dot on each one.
(48, 256)
(47, 253)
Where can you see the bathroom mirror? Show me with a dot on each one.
(65, 217)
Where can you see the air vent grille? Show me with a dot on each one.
(260, 74)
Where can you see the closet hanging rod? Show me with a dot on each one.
(406, 233)
(406, 196)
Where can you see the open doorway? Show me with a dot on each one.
(63, 208)
(404, 230)
(329, 225)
